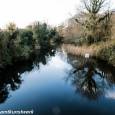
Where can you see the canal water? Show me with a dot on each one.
(53, 82)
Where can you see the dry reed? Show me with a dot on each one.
(82, 50)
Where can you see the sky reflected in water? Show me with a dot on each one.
(56, 83)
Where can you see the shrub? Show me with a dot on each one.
(112, 59)
(103, 53)
(90, 39)
(107, 54)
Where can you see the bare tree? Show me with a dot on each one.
(99, 25)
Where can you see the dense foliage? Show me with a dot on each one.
(89, 25)
(93, 25)
(20, 43)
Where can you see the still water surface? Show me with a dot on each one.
(56, 83)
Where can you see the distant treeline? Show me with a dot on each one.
(17, 43)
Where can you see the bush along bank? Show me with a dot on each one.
(103, 50)
(18, 43)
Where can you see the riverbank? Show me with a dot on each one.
(102, 50)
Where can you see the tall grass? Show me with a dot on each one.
(101, 50)
(92, 50)
(81, 51)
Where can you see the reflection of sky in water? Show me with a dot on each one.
(86, 69)
(110, 95)
(110, 91)
(46, 91)
(57, 62)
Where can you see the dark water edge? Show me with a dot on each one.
(53, 82)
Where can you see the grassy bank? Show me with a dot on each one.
(80, 51)
(102, 50)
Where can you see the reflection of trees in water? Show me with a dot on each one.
(9, 80)
(43, 56)
(10, 77)
(90, 77)
(60, 52)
